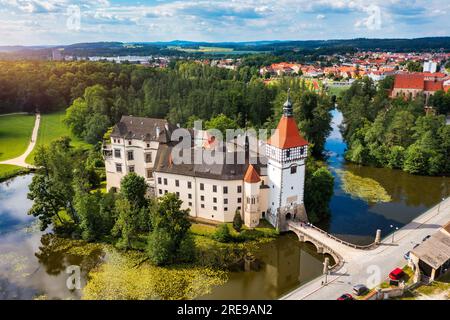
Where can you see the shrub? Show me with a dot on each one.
(222, 234)
(237, 221)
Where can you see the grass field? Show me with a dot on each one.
(52, 128)
(8, 171)
(15, 135)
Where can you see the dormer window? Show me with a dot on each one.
(130, 142)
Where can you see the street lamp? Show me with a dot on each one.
(439, 207)
(393, 233)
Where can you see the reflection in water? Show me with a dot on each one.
(14, 203)
(357, 221)
(284, 264)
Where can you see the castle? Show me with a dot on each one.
(271, 187)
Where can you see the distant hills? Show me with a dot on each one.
(273, 46)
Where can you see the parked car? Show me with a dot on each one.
(406, 255)
(426, 238)
(346, 296)
(396, 274)
(360, 289)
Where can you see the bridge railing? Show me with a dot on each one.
(346, 243)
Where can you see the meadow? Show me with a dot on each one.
(15, 134)
(52, 127)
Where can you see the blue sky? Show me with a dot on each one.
(34, 22)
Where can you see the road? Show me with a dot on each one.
(371, 267)
(20, 161)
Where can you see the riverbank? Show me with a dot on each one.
(8, 171)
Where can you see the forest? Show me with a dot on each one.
(396, 133)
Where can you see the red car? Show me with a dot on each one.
(396, 274)
(346, 296)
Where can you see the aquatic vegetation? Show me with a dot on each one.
(128, 276)
(16, 263)
(366, 189)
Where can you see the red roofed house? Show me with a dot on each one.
(411, 85)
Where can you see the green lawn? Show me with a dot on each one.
(15, 135)
(8, 171)
(52, 128)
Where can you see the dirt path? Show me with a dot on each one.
(20, 161)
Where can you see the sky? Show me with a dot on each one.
(59, 22)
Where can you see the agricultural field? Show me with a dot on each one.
(15, 134)
(52, 128)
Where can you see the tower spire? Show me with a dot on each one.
(287, 106)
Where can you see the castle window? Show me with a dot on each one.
(239, 189)
(189, 184)
(148, 145)
(225, 209)
(178, 194)
(159, 180)
(288, 153)
(160, 191)
(302, 151)
(225, 190)
(190, 204)
(293, 169)
(131, 169)
(202, 186)
(202, 198)
(177, 183)
(165, 181)
(149, 173)
(214, 188)
(189, 195)
(129, 142)
(239, 200)
(202, 206)
(117, 153)
(225, 201)
(118, 167)
(148, 157)
(215, 200)
(130, 155)
(165, 191)
(215, 208)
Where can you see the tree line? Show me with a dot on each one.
(396, 133)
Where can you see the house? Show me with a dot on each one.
(267, 183)
(432, 257)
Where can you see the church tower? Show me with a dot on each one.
(286, 151)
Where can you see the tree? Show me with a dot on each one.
(222, 234)
(414, 66)
(134, 189)
(126, 226)
(51, 189)
(170, 226)
(319, 184)
(160, 247)
(237, 221)
(415, 160)
(221, 123)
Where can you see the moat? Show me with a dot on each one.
(29, 268)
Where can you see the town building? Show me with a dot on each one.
(411, 85)
(431, 258)
(268, 183)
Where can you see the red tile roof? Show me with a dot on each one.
(287, 135)
(251, 176)
(409, 81)
(433, 85)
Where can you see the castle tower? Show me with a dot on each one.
(286, 151)
(252, 182)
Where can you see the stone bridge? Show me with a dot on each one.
(325, 243)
